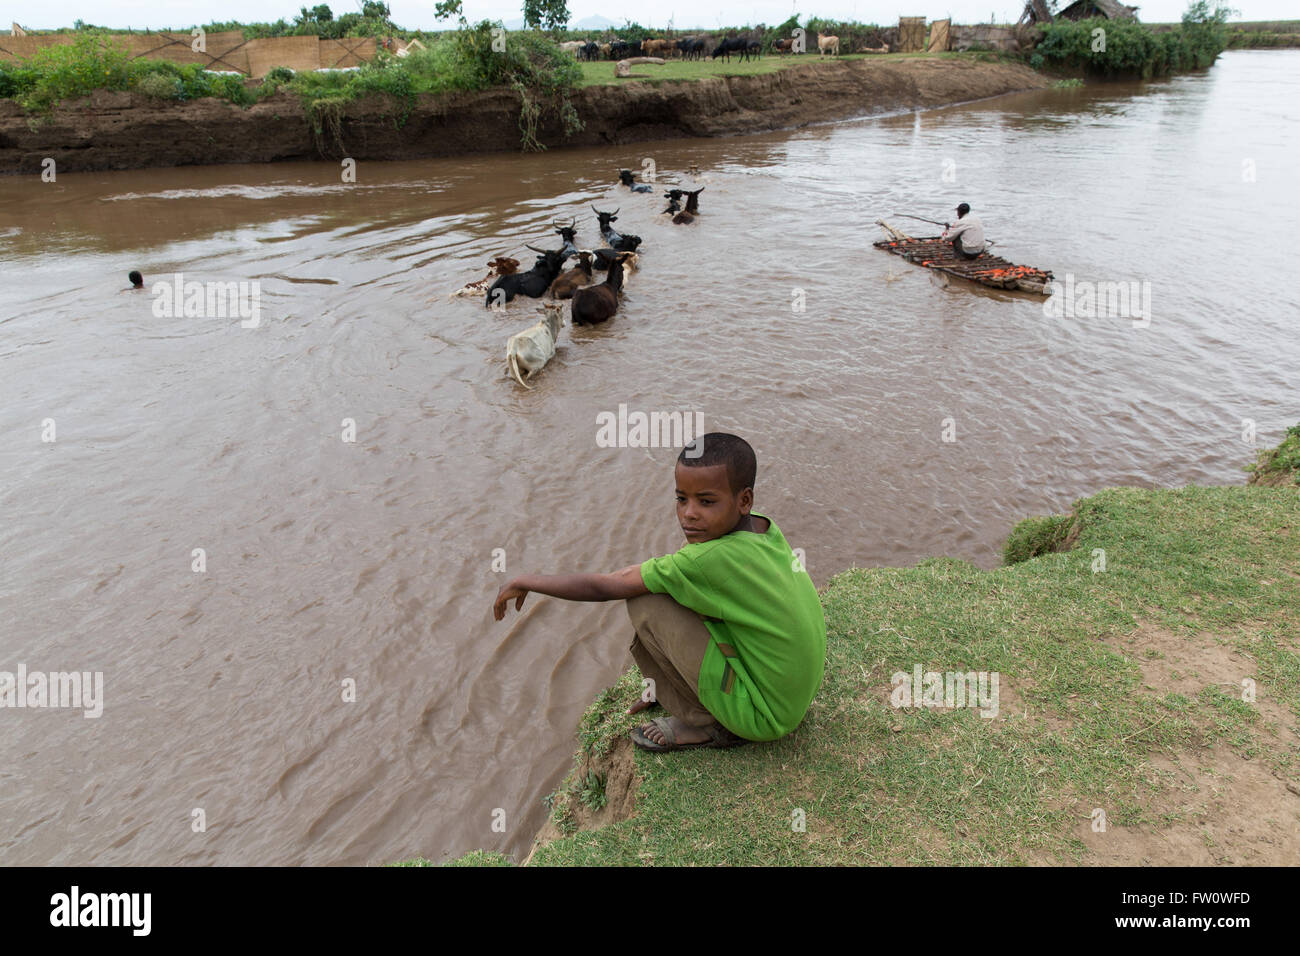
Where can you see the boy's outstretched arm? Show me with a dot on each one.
(616, 586)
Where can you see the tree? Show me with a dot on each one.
(1199, 13)
(551, 14)
(445, 9)
(317, 14)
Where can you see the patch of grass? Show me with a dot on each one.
(592, 794)
(1280, 464)
(1035, 536)
(473, 858)
(601, 72)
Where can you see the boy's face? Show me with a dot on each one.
(706, 507)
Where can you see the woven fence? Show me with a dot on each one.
(227, 51)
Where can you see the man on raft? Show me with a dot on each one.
(966, 234)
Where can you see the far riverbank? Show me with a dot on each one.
(127, 130)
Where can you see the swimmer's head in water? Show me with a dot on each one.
(137, 280)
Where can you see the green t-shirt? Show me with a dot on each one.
(767, 650)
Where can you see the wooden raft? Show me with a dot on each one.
(988, 270)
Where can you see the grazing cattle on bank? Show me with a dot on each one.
(692, 48)
(730, 45)
(532, 283)
(625, 177)
(572, 47)
(606, 50)
(782, 47)
(597, 303)
(827, 44)
(532, 348)
(615, 239)
(566, 283)
(500, 266)
(590, 51)
(656, 47)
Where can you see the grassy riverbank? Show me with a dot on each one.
(601, 73)
(1123, 664)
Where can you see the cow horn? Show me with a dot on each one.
(535, 249)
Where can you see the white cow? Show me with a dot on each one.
(532, 348)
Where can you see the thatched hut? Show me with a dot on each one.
(1106, 9)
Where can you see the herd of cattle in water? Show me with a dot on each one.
(590, 302)
(692, 48)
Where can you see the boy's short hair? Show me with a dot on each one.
(135, 278)
(719, 448)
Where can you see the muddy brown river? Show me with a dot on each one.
(322, 683)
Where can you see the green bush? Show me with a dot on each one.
(93, 61)
(160, 86)
(15, 79)
(1131, 49)
(531, 64)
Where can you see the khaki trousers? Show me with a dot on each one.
(669, 648)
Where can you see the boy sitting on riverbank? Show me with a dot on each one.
(730, 628)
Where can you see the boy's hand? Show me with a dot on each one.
(510, 590)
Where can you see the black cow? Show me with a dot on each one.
(730, 45)
(532, 283)
(692, 48)
(615, 239)
(625, 177)
(692, 198)
(567, 236)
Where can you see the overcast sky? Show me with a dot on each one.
(418, 14)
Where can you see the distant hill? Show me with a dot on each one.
(596, 22)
